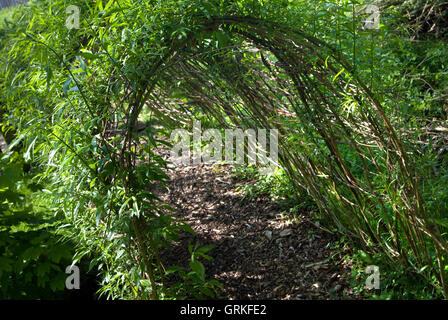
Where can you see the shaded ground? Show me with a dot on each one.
(258, 254)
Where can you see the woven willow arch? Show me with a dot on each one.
(335, 137)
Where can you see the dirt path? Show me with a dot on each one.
(258, 254)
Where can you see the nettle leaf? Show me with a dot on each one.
(32, 253)
(57, 283)
(207, 291)
(10, 176)
(58, 252)
(43, 268)
(6, 264)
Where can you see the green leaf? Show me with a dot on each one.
(145, 283)
(66, 85)
(43, 269)
(49, 73)
(173, 269)
(338, 74)
(207, 292)
(5, 264)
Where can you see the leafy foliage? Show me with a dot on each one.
(32, 256)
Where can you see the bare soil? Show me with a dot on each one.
(259, 253)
